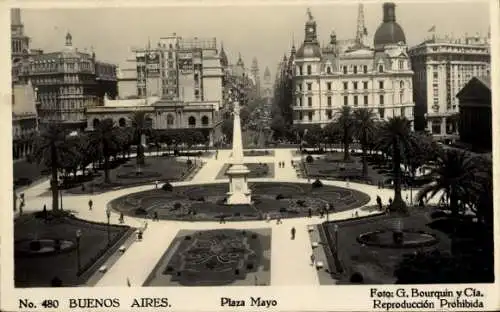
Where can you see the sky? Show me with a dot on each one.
(262, 31)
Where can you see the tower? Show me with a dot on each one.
(254, 70)
(361, 31)
(239, 193)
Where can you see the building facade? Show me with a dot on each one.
(442, 67)
(181, 83)
(67, 83)
(24, 97)
(351, 73)
(475, 114)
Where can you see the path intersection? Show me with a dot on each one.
(290, 260)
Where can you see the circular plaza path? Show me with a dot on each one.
(287, 255)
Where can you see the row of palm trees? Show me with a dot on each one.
(61, 152)
(465, 180)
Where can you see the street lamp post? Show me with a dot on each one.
(336, 230)
(78, 236)
(108, 215)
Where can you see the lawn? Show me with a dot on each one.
(127, 174)
(225, 257)
(257, 170)
(38, 270)
(206, 202)
(378, 265)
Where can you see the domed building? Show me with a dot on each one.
(348, 72)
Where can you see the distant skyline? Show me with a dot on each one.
(264, 32)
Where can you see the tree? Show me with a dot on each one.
(314, 136)
(106, 139)
(454, 176)
(51, 148)
(395, 137)
(227, 129)
(138, 120)
(345, 120)
(364, 128)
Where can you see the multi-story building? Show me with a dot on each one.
(24, 99)
(442, 67)
(179, 82)
(68, 82)
(351, 73)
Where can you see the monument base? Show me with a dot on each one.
(239, 198)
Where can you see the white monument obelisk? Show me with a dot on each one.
(238, 194)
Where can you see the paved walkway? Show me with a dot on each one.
(290, 259)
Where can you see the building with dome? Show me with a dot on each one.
(349, 72)
(68, 82)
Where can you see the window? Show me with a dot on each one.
(435, 75)
(365, 85)
(344, 69)
(401, 84)
(436, 126)
(380, 68)
(329, 101)
(300, 70)
(355, 100)
(365, 100)
(365, 69)
(380, 84)
(355, 85)
(401, 64)
(204, 120)
(309, 70)
(355, 69)
(300, 116)
(309, 86)
(309, 101)
(402, 112)
(299, 87)
(329, 86)
(401, 97)
(169, 54)
(381, 99)
(310, 115)
(328, 70)
(329, 114)
(346, 100)
(345, 86)
(299, 101)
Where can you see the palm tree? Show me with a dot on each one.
(51, 148)
(105, 138)
(364, 121)
(395, 136)
(345, 121)
(138, 120)
(454, 176)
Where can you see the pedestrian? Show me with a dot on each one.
(356, 214)
(139, 235)
(128, 283)
(321, 214)
(313, 259)
(145, 225)
(91, 203)
(347, 182)
(278, 220)
(121, 219)
(309, 212)
(407, 199)
(379, 203)
(155, 215)
(292, 231)
(156, 184)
